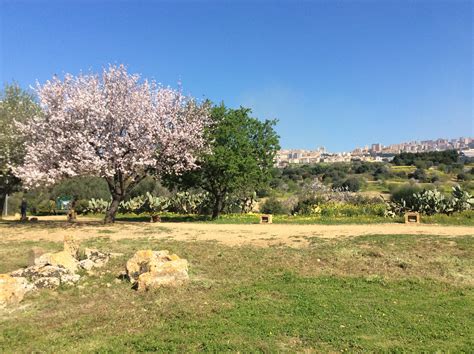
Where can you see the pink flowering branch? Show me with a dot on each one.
(114, 126)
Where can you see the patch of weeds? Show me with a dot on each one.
(156, 230)
(372, 253)
(314, 240)
(106, 231)
(251, 299)
(376, 279)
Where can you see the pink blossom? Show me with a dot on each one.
(113, 126)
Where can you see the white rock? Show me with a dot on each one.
(86, 264)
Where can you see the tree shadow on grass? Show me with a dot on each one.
(167, 218)
(64, 224)
(48, 224)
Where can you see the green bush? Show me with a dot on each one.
(351, 184)
(419, 174)
(315, 206)
(431, 202)
(81, 188)
(305, 206)
(273, 206)
(406, 193)
(463, 176)
(46, 207)
(81, 206)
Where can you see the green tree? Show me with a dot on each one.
(15, 105)
(240, 158)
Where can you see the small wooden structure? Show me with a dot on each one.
(266, 219)
(412, 218)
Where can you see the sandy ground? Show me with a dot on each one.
(54, 228)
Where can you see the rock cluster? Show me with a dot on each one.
(94, 259)
(149, 269)
(49, 270)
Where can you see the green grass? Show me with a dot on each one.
(369, 293)
(465, 218)
(406, 169)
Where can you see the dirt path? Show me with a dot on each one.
(54, 229)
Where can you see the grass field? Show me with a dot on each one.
(465, 218)
(373, 292)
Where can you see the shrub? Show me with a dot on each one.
(273, 206)
(434, 179)
(463, 176)
(462, 200)
(382, 172)
(306, 206)
(430, 202)
(400, 174)
(82, 206)
(406, 193)
(351, 184)
(419, 174)
(46, 207)
(360, 167)
(315, 206)
(97, 206)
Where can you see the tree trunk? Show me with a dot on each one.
(217, 206)
(110, 214)
(2, 204)
(119, 186)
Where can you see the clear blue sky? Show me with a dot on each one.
(335, 73)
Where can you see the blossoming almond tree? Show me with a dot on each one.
(114, 126)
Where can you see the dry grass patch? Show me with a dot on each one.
(351, 294)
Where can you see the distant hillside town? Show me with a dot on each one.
(376, 152)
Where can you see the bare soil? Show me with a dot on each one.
(53, 228)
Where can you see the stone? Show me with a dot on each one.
(61, 259)
(171, 273)
(34, 254)
(13, 289)
(47, 283)
(146, 261)
(86, 264)
(99, 258)
(70, 279)
(35, 273)
(71, 246)
(149, 269)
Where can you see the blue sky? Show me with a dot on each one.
(335, 73)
